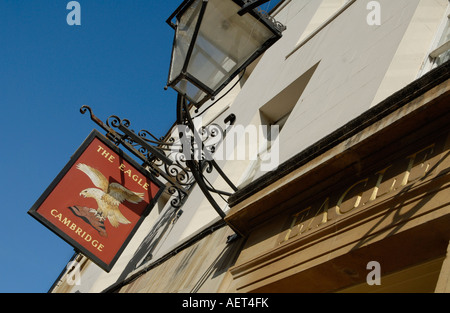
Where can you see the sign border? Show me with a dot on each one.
(95, 134)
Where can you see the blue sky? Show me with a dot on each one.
(116, 62)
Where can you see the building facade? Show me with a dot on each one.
(341, 154)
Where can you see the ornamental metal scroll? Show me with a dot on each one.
(153, 152)
(200, 160)
(165, 157)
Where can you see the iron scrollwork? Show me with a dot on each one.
(200, 160)
(157, 155)
(166, 158)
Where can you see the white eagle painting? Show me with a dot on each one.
(108, 196)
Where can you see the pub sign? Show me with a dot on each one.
(98, 200)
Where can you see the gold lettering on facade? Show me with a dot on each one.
(421, 167)
(415, 167)
(296, 225)
(376, 189)
(339, 209)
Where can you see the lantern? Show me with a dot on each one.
(214, 41)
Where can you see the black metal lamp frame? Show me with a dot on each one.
(248, 6)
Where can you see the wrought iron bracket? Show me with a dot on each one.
(179, 163)
(159, 156)
(253, 6)
(198, 165)
(250, 5)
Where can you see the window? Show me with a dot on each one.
(441, 48)
(442, 53)
(274, 116)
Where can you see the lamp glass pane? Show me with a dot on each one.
(225, 42)
(183, 38)
(192, 92)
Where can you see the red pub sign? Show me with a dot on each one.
(98, 200)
